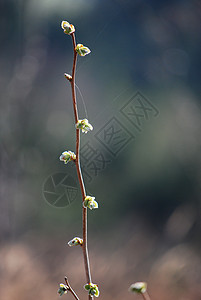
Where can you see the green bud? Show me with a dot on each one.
(75, 241)
(82, 50)
(84, 125)
(67, 156)
(90, 202)
(62, 289)
(87, 287)
(92, 289)
(138, 287)
(67, 27)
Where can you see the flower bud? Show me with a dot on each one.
(67, 76)
(82, 50)
(75, 241)
(90, 202)
(138, 287)
(67, 156)
(62, 289)
(92, 289)
(84, 125)
(67, 27)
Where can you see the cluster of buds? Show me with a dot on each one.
(84, 125)
(62, 289)
(67, 27)
(92, 289)
(90, 202)
(75, 241)
(82, 50)
(138, 287)
(67, 156)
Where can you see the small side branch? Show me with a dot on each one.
(70, 289)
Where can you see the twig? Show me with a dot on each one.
(146, 296)
(79, 172)
(70, 288)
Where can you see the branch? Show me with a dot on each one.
(70, 288)
(78, 168)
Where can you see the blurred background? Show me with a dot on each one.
(140, 86)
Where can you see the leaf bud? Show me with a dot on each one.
(62, 289)
(67, 76)
(67, 27)
(82, 50)
(84, 125)
(67, 156)
(92, 289)
(138, 287)
(90, 202)
(75, 241)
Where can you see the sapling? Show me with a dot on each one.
(88, 202)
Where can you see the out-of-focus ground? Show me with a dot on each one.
(144, 164)
(34, 268)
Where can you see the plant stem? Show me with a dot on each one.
(146, 296)
(70, 289)
(79, 172)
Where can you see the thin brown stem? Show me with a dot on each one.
(146, 296)
(79, 172)
(73, 79)
(70, 289)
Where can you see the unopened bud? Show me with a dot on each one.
(75, 241)
(84, 125)
(67, 27)
(67, 156)
(138, 287)
(62, 289)
(92, 289)
(67, 76)
(82, 50)
(90, 202)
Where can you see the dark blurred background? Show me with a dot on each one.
(144, 169)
